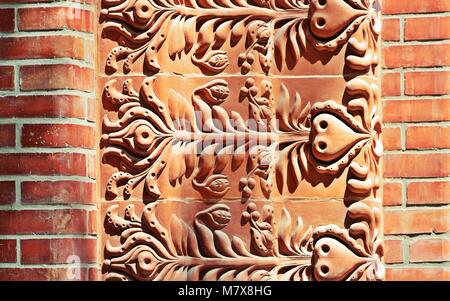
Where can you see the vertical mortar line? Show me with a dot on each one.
(18, 133)
(406, 255)
(16, 77)
(18, 252)
(402, 41)
(404, 193)
(402, 29)
(403, 136)
(16, 19)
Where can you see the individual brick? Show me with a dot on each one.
(416, 165)
(427, 83)
(41, 47)
(43, 164)
(57, 250)
(57, 221)
(57, 135)
(428, 193)
(58, 192)
(416, 221)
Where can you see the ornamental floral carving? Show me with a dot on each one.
(159, 140)
(196, 138)
(150, 250)
(271, 30)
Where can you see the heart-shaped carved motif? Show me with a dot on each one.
(328, 18)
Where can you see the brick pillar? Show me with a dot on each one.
(416, 88)
(47, 154)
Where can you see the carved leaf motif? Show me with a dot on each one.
(152, 133)
(201, 252)
(143, 26)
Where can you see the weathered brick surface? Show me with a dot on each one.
(58, 192)
(41, 251)
(416, 111)
(48, 139)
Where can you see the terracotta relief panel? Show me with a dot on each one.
(241, 139)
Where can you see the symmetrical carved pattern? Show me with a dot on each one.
(279, 140)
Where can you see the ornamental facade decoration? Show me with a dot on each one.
(241, 140)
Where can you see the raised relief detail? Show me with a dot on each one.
(270, 29)
(272, 139)
(150, 250)
(198, 137)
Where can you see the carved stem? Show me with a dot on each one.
(241, 12)
(270, 137)
(239, 262)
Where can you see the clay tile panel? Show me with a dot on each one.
(241, 139)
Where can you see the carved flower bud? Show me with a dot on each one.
(218, 60)
(216, 217)
(146, 263)
(265, 159)
(214, 61)
(143, 10)
(220, 91)
(214, 92)
(263, 35)
(221, 216)
(216, 186)
(144, 136)
(219, 185)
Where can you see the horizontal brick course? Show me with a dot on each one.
(416, 55)
(47, 274)
(418, 273)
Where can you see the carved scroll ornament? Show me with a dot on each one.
(282, 142)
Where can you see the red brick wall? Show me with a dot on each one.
(416, 88)
(47, 141)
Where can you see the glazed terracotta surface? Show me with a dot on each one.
(241, 140)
